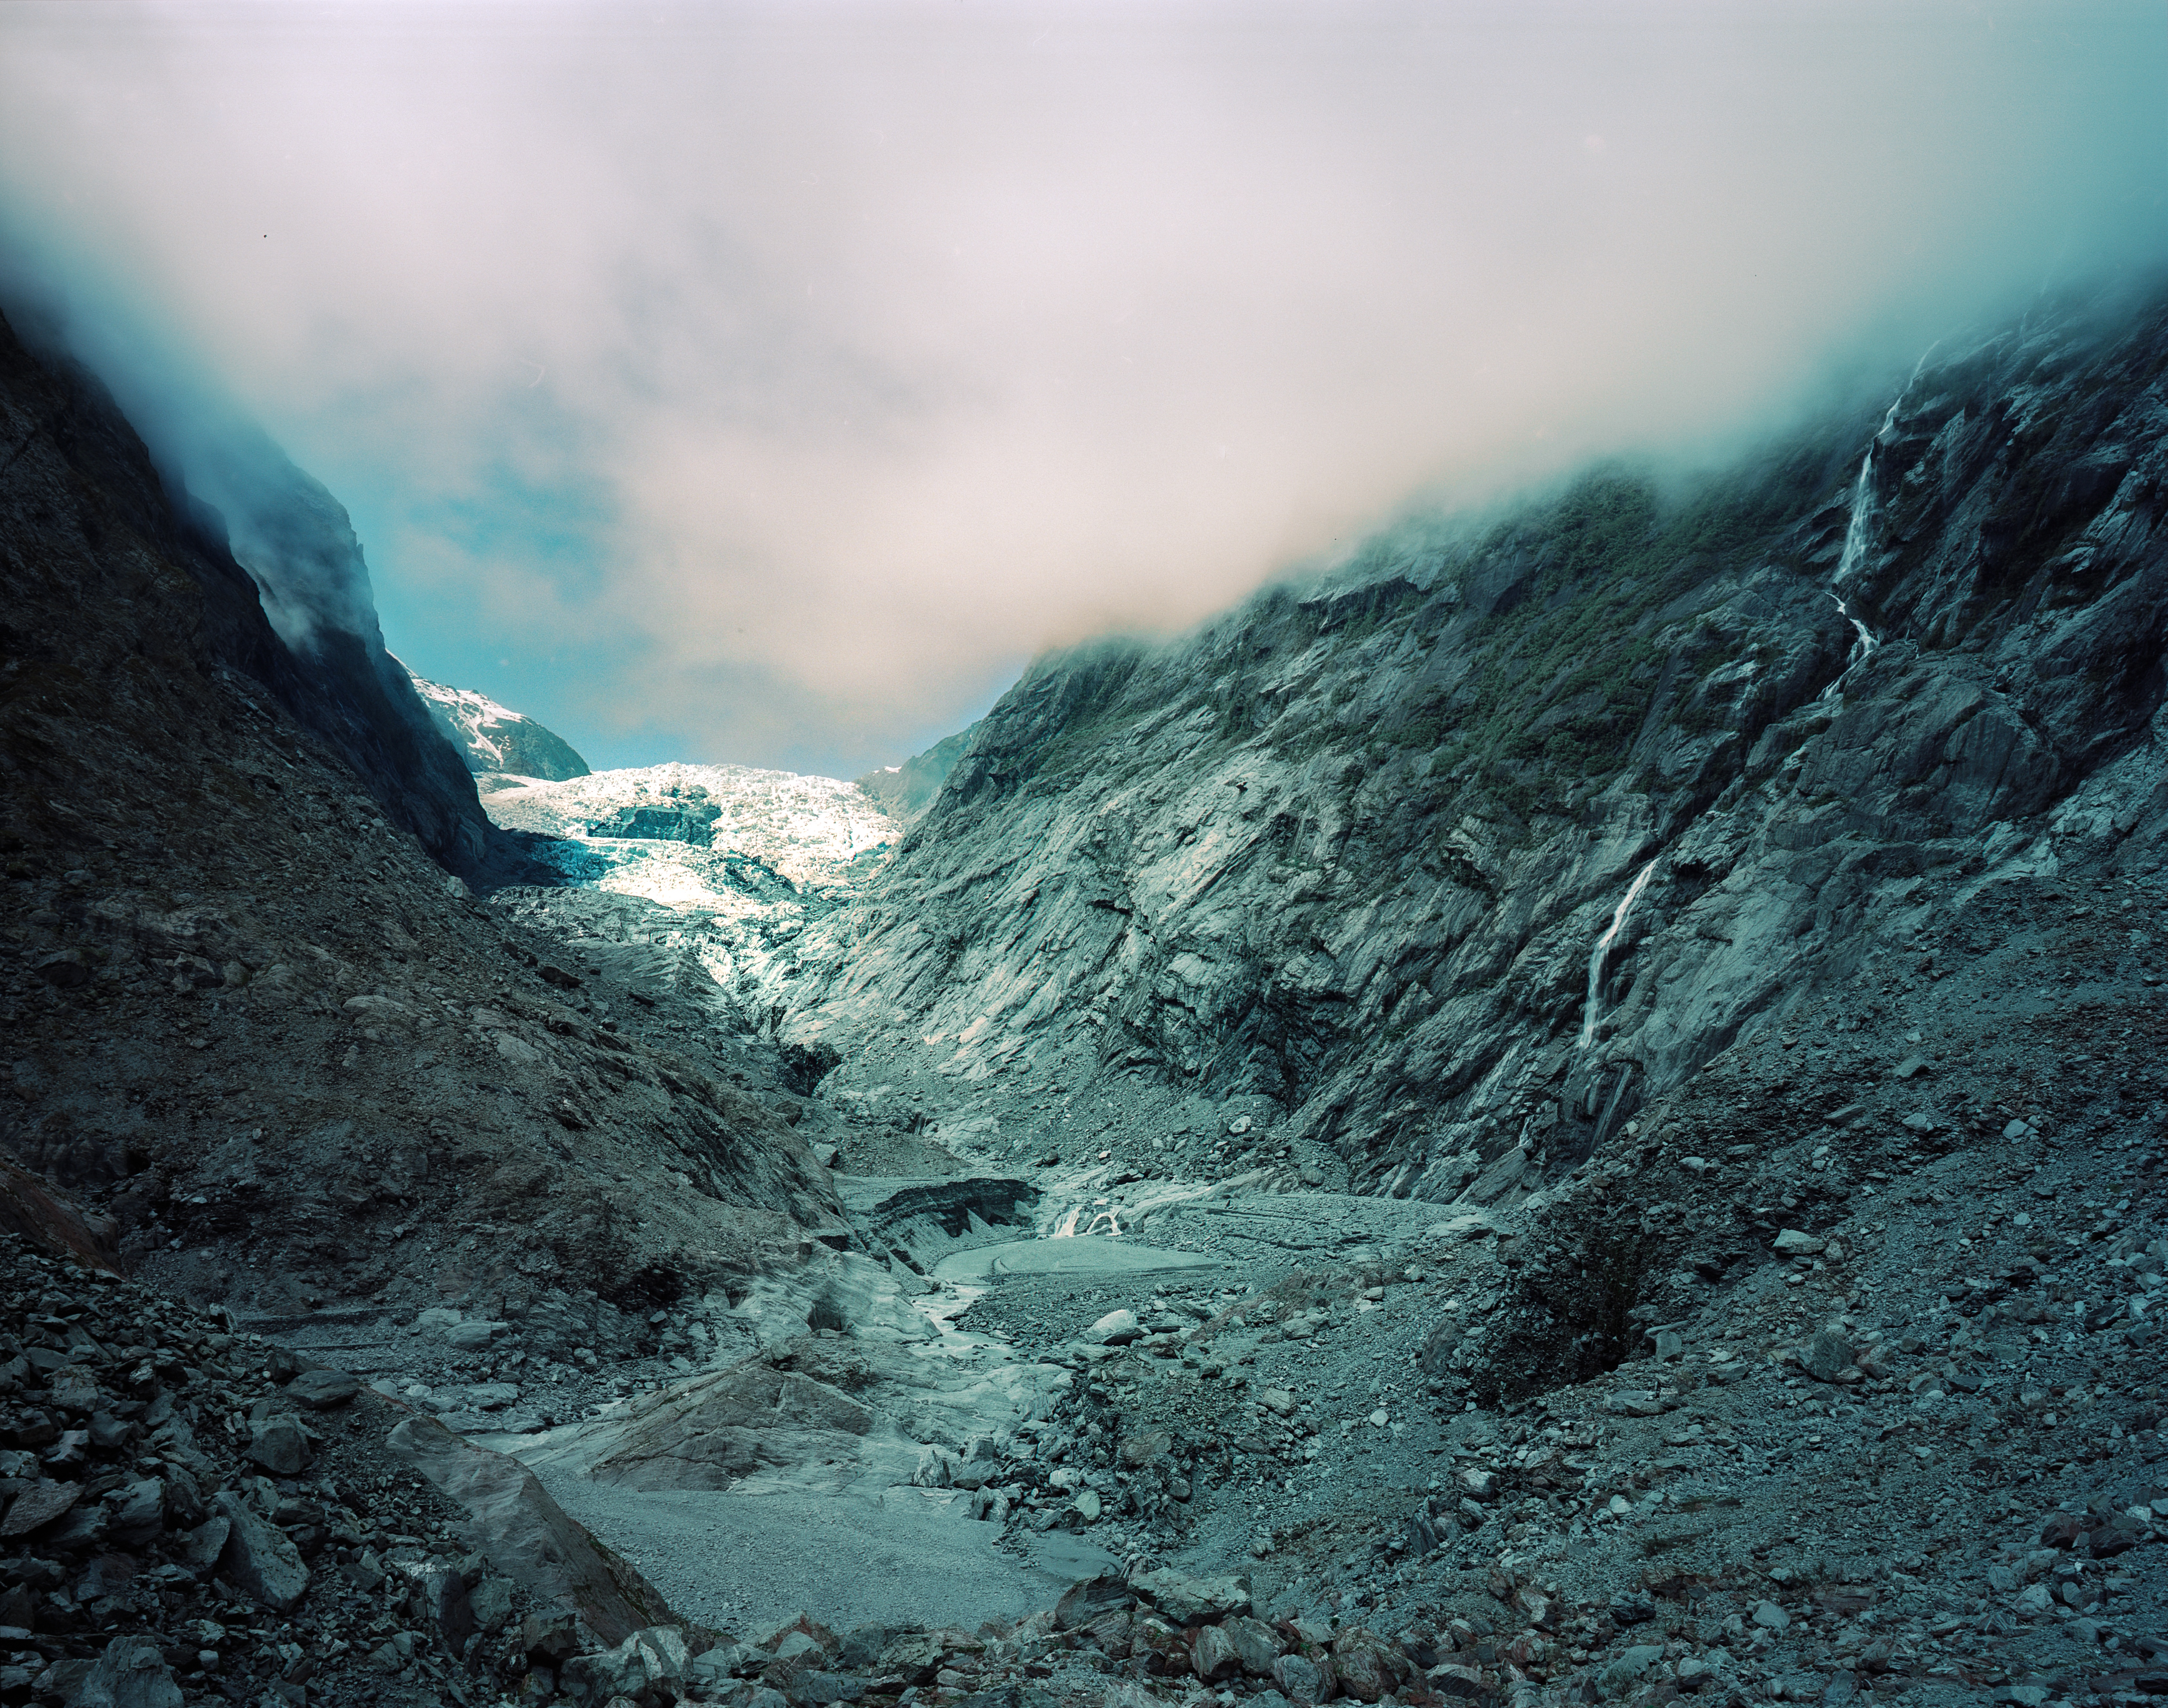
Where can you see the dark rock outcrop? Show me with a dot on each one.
(285, 598)
(252, 1020)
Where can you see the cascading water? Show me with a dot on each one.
(1864, 639)
(1603, 950)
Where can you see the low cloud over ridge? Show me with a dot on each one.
(765, 383)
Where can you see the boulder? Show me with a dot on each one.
(39, 1505)
(139, 1512)
(528, 1534)
(490, 1600)
(1158, 1646)
(1081, 1604)
(1115, 1329)
(1302, 1680)
(1366, 1666)
(1828, 1357)
(130, 1674)
(1113, 1634)
(444, 1595)
(649, 1661)
(279, 1445)
(206, 1543)
(1254, 1644)
(931, 1471)
(1213, 1656)
(1627, 1671)
(261, 1562)
(1185, 1600)
(320, 1390)
(915, 1657)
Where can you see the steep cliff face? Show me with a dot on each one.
(249, 1020)
(286, 589)
(1453, 863)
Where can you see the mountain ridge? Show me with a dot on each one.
(1347, 852)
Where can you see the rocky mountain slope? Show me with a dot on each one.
(906, 791)
(249, 1015)
(495, 741)
(1577, 1114)
(1441, 871)
(282, 593)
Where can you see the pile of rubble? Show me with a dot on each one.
(188, 1515)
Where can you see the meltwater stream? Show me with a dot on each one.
(1602, 950)
(1856, 528)
(1863, 643)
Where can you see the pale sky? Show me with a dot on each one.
(766, 383)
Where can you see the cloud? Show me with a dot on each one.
(768, 381)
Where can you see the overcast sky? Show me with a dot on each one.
(766, 383)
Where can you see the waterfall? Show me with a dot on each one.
(1865, 639)
(1596, 956)
(1863, 643)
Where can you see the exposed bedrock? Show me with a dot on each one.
(1341, 857)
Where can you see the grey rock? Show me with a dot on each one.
(444, 1595)
(63, 1680)
(1632, 1665)
(320, 1390)
(140, 1512)
(1632, 1607)
(1187, 1600)
(1082, 1603)
(490, 1600)
(1254, 1643)
(279, 1445)
(1829, 1355)
(130, 1674)
(38, 1506)
(513, 1520)
(931, 1471)
(1771, 1617)
(83, 1529)
(1115, 1329)
(649, 1659)
(1212, 1656)
(259, 1557)
(1299, 1678)
(206, 1543)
